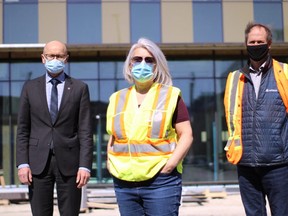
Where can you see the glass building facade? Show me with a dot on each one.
(202, 40)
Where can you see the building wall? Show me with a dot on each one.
(177, 22)
(1, 24)
(52, 21)
(233, 26)
(123, 21)
(116, 22)
(285, 18)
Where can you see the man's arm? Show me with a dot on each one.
(85, 138)
(23, 133)
(23, 129)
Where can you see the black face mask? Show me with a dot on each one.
(257, 52)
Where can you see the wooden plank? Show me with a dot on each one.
(198, 196)
(84, 210)
(220, 194)
(194, 200)
(101, 205)
(4, 202)
(2, 181)
(103, 199)
(14, 196)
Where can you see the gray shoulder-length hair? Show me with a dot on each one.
(161, 70)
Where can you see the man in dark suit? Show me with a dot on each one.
(54, 136)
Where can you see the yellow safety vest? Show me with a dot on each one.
(144, 136)
(233, 107)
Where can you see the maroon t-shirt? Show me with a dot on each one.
(181, 112)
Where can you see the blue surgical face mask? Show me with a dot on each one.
(54, 66)
(142, 72)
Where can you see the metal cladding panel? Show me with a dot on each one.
(52, 21)
(177, 22)
(234, 20)
(115, 22)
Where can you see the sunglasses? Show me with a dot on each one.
(138, 59)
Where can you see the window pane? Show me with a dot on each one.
(223, 67)
(202, 113)
(275, 21)
(16, 88)
(20, 22)
(4, 71)
(4, 95)
(112, 70)
(27, 71)
(202, 90)
(93, 90)
(191, 69)
(84, 23)
(107, 88)
(122, 84)
(207, 19)
(184, 74)
(83, 70)
(186, 87)
(145, 20)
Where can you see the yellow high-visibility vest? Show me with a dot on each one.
(144, 136)
(233, 107)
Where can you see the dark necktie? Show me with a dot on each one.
(54, 100)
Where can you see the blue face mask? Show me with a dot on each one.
(54, 66)
(142, 72)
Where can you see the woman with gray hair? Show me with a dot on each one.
(150, 134)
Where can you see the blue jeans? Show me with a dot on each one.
(258, 182)
(156, 197)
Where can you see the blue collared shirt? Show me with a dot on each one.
(60, 88)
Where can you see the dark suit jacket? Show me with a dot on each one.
(71, 132)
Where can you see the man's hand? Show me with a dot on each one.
(83, 177)
(25, 175)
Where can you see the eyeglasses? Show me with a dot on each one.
(138, 59)
(50, 57)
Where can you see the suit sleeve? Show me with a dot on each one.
(85, 130)
(23, 129)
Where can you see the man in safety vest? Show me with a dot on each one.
(150, 133)
(256, 107)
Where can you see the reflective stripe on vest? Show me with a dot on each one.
(118, 119)
(161, 102)
(143, 148)
(233, 107)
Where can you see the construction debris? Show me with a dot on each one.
(105, 198)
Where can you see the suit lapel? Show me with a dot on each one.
(42, 95)
(66, 93)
